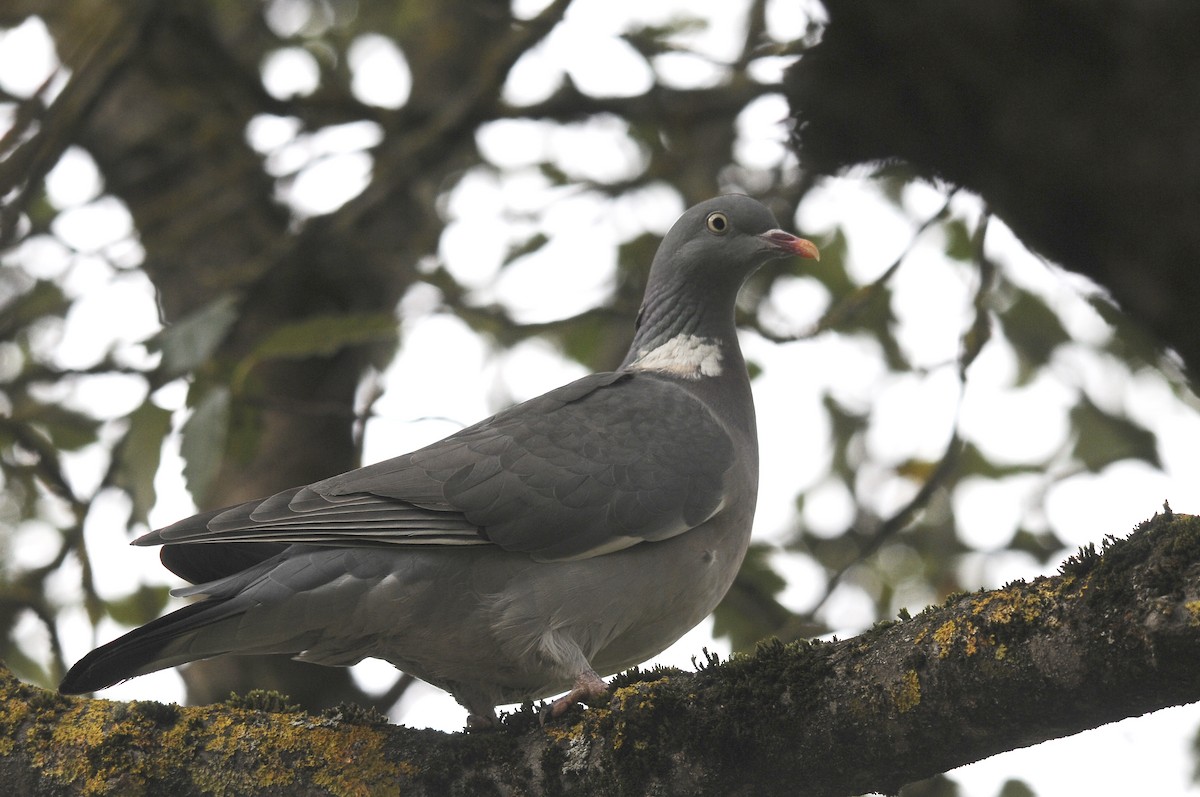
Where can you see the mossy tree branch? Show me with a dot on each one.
(1115, 635)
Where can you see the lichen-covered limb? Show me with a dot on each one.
(1115, 635)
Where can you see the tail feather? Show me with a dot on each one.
(143, 650)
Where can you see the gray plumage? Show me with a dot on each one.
(568, 537)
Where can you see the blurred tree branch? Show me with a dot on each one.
(42, 132)
(1075, 120)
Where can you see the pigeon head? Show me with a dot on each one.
(694, 280)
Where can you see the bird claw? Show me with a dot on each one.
(589, 688)
(482, 722)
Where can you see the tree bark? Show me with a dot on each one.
(1116, 634)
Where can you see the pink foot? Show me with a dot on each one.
(589, 687)
(481, 722)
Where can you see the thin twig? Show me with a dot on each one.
(849, 307)
(972, 342)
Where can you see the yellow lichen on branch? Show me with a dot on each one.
(102, 747)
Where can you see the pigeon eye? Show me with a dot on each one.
(717, 223)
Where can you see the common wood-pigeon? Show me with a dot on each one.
(566, 538)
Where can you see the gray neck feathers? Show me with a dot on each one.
(680, 333)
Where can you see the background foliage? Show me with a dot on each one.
(306, 188)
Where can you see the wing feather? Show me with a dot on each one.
(602, 463)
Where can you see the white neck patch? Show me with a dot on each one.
(684, 355)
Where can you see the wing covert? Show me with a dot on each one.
(605, 462)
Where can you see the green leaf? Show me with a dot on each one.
(26, 667)
(1033, 329)
(140, 606)
(973, 462)
(1102, 439)
(526, 247)
(750, 610)
(655, 40)
(137, 457)
(1016, 788)
(41, 300)
(830, 270)
(892, 178)
(203, 441)
(318, 336)
(593, 339)
(1044, 546)
(326, 334)
(66, 429)
(847, 426)
(960, 243)
(188, 343)
(554, 174)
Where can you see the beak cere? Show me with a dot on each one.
(790, 244)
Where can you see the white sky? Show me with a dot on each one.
(912, 413)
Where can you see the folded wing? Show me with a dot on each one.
(600, 464)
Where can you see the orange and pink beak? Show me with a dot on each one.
(786, 242)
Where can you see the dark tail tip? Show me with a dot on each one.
(137, 652)
(97, 670)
